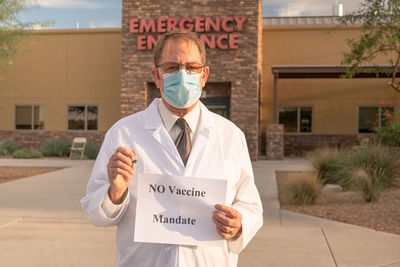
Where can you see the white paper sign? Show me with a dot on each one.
(178, 210)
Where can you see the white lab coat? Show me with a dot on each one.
(219, 151)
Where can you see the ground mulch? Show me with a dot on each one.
(8, 174)
(349, 207)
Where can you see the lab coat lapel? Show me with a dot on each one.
(156, 128)
(202, 139)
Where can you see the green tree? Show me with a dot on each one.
(14, 31)
(380, 35)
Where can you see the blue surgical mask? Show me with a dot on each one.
(181, 90)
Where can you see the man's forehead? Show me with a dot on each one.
(181, 43)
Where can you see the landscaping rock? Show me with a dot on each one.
(332, 188)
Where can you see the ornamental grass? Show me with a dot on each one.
(303, 190)
(368, 168)
(376, 167)
(331, 165)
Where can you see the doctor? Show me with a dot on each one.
(175, 135)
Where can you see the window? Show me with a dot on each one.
(368, 117)
(217, 105)
(296, 119)
(83, 118)
(29, 117)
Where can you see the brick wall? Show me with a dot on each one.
(240, 68)
(297, 145)
(275, 142)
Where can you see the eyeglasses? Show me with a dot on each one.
(172, 67)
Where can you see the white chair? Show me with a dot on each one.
(78, 145)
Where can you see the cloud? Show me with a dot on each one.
(71, 4)
(39, 27)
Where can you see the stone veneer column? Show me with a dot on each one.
(275, 142)
(241, 67)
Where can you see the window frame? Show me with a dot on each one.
(380, 111)
(298, 108)
(32, 116)
(86, 108)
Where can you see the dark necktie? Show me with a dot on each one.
(182, 142)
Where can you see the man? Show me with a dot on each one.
(178, 136)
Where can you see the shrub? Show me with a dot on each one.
(389, 133)
(366, 184)
(91, 150)
(303, 190)
(381, 163)
(368, 167)
(331, 165)
(21, 154)
(7, 147)
(36, 154)
(26, 154)
(56, 148)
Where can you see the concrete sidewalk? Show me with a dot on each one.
(41, 224)
(289, 239)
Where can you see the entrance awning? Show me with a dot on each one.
(321, 72)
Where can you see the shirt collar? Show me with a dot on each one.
(170, 118)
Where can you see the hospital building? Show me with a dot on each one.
(277, 78)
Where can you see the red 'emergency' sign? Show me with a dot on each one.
(219, 33)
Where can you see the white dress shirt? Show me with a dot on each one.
(169, 119)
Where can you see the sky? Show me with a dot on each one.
(107, 13)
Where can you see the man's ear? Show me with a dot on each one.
(156, 77)
(204, 76)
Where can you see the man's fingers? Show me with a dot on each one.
(226, 223)
(118, 156)
(223, 227)
(133, 154)
(224, 235)
(229, 211)
(120, 170)
(223, 219)
(117, 171)
(122, 165)
(223, 208)
(127, 152)
(224, 231)
(227, 220)
(124, 150)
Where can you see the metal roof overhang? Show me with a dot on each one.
(329, 71)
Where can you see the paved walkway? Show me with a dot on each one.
(289, 239)
(41, 224)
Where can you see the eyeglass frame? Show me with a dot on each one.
(180, 64)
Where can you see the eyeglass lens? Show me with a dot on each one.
(170, 67)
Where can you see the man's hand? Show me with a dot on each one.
(228, 221)
(120, 169)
